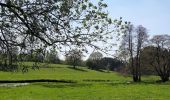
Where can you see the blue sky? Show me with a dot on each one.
(152, 14)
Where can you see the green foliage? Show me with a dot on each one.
(111, 63)
(161, 56)
(32, 55)
(105, 63)
(146, 60)
(93, 61)
(93, 64)
(8, 59)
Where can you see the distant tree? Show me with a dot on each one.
(111, 63)
(37, 55)
(8, 58)
(161, 56)
(93, 61)
(52, 56)
(26, 56)
(107, 63)
(89, 64)
(74, 57)
(96, 56)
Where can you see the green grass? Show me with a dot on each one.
(90, 85)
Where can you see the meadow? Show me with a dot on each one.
(89, 85)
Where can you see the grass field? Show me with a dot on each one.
(90, 85)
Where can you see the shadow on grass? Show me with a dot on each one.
(103, 71)
(78, 69)
(106, 82)
(139, 83)
(64, 85)
(97, 80)
(51, 67)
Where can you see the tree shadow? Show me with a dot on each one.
(103, 71)
(139, 83)
(48, 66)
(78, 69)
(64, 85)
(97, 80)
(107, 82)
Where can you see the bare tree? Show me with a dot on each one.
(141, 38)
(161, 56)
(131, 45)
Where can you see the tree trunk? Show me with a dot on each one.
(136, 78)
(74, 66)
(164, 78)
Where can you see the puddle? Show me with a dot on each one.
(14, 84)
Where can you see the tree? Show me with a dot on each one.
(94, 59)
(96, 56)
(52, 56)
(146, 57)
(131, 45)
(161, 56)
(74, 57)
(141, 38)
(111, 63)
(37, 24)
(7, 58)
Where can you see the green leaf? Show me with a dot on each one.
(110, 21)
(84, 23)
(84, 7)
(90, 4)
(97, 27)
(87, 17)
(104, 5)
(95, 7)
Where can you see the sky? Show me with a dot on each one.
(152, 14)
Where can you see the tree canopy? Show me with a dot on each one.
(52, 22)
